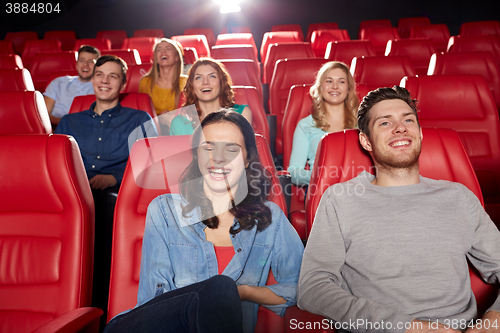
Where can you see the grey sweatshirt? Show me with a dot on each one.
(380, 257)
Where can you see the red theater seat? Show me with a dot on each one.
(144, 45)
(47, 233)
(442, 157)
(134, 75)
(379, 37)
(23, 112)
(321, 38)
(66, 37)
(198, 42)
(419, 50)
(473, 114)
(287, 73)
(480, 28)
(18, 39)
(190, 55)
(115, 36)
(277, 37)
(289, 27)
(379, 71)
(46, 63)
(438, 33)
(344, 51)
(102, 44)
(299, 106)
(237, 51)
(243, 73)
(158, 33)
(32, 47)
(10, 61)
(250, 96)
(130, 56)
(320, 26)
(208, 32)
(406, 23)
(471, 43)
(279, 51)
(237, 38)
(481, 63)
(369, 24)
(6, 47)
(15, 79)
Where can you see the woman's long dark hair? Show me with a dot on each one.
(251, 210)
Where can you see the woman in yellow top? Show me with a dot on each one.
(164, 82)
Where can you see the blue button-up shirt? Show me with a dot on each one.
(175, 253)
(105, 139)
(63, 90)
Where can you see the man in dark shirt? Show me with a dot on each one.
(104, 134)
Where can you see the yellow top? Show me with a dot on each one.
(163, 99)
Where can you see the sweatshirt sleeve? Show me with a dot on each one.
(298, 158)
(320, 284)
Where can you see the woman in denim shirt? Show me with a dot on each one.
(223, 207)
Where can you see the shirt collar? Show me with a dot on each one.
(115, 110)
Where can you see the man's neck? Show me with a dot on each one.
(101, 106)
(83, 80)
(388, 176)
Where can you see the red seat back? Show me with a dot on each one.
(442, 157)
(481, 63)
(346, 50)
(130, 56)
(480, 28)
(115, 36)
(321, 38)
(157, 33)
(368, 24)
(406, 23)
(6, 47)
(198, 42)
(23, 112)
(208, 32)
(250, 96)
(379, 37)
(279, 51)
(102, 44)
(134, 75)
(15, 79)
(419, 50)
(10, 61)
(132, 203)
(289, 72)
(471, 43)
(66, 37)
(289, 27)
(320, 26)
(46, 63)
(472, 113)
(19, 38)
(32, 47)
(144, 45)
(243, 73)
(381, 71)
(277, 37)
(46, 231)
(237, 51)
(190, 55)
(237, 38)
(438, 33)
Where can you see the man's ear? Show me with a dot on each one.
(123, 86)
(365, 142)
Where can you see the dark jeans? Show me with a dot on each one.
(209, 306)
(104, 202)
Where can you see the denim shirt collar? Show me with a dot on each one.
(113, 111)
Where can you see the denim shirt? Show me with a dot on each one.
(175, 253)
(105, 139)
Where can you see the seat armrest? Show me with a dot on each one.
(273, 127)
(85, 320)
(286, 186)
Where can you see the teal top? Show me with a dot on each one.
(305, 143)
(180, 125)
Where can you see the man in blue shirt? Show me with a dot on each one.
(61, 91)
(104, 134)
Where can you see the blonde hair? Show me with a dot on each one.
(350, 103)
(154, 72)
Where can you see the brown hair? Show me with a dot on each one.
(117, 60)
(226, 96)
(350, 103)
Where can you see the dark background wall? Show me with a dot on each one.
(86, 17)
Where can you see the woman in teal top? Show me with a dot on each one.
(208, 89)
(334, 109)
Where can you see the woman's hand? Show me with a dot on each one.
(259, 295)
